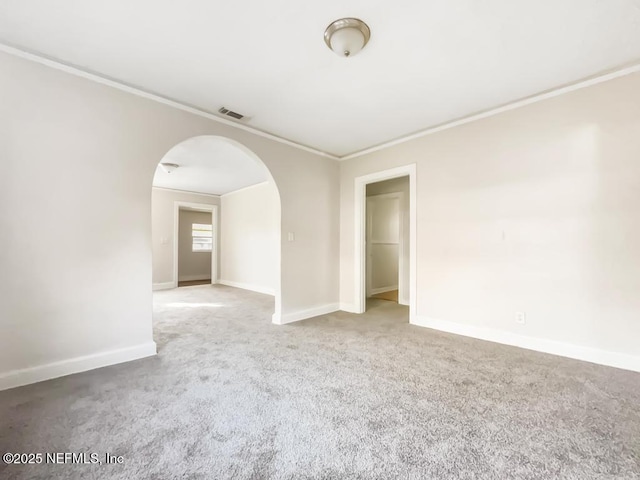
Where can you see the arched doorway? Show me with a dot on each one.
(223, 170)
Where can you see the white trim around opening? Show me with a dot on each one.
(215, 218)
(360, 200)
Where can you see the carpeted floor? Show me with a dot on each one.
(340, 396)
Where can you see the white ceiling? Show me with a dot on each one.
(209, 165)
(428, 62)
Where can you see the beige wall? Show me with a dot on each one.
(192, 265)
(249, 232)
(162, 229)
(534, 210)
(398, 185)
(69, 145)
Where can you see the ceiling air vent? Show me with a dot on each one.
(230, 113)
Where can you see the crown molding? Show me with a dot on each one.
(248, 187)
(175, 190)
(555, 92)
(104, 80)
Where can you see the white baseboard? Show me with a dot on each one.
(26, 376)
(163, 286)
(587, 354)
(248, 286)
(348, 307)
(390, 288)
(193, 278)
(291, 317)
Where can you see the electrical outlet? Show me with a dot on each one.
(521, 318)
(291, 236)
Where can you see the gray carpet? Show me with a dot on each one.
(339, 396)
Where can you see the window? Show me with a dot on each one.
(202, 237)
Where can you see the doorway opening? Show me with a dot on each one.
(195, 252)
(385, 233)
(386, 240)
(216, 220)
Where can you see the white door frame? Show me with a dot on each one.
(215, 219)
(402, 294)
(360, 201)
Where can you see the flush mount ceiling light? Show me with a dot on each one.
(169, 167)
(347, 36)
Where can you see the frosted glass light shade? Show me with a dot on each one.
(347, 41)
(347, 36)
